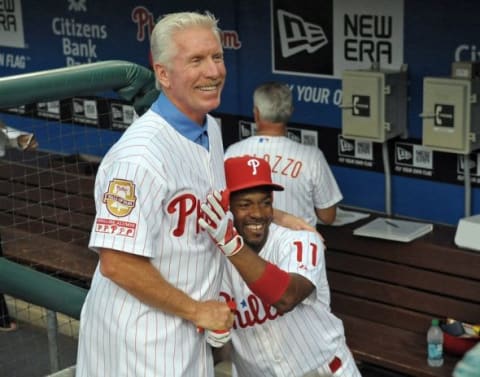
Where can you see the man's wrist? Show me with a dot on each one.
(271, 286)
(233, 246)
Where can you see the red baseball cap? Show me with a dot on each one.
(247, 172)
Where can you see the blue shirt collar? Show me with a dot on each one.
(180, 122)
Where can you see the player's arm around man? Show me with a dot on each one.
(273, 285)
(290, 221)
(139, 277)
(282, 289)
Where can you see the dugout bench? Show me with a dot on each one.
(387, 292)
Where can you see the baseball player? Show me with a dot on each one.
(277, 277)
(311, 191)
(159, 275)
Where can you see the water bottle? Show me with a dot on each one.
(435, 344)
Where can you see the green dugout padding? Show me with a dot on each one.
(41, 289)
(130, 81)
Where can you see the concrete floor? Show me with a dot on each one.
(24, 352)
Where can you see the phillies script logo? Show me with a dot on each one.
(145, 21)
(256, 311)
(185, 207)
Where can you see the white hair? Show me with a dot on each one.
(162, 45)
(274, 102)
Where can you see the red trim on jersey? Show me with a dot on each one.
(335, 364)
(271, 286)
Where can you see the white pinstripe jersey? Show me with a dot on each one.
(301, 169)
(148, 192)
(304, 339)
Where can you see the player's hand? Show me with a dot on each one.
(215, 315)
(218, 338)
(219, 224)
(293, 222)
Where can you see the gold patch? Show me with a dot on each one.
(120, 198)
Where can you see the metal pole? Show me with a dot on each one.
(388, 179)
(52, 332)
(468, 185)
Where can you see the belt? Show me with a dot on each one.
(335, 364)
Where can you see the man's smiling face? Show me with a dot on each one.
(194, 79)
(253, 213)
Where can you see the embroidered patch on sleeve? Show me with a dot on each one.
(116, 227)
(120, 198)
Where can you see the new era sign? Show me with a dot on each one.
(302, 37)
(324, 38)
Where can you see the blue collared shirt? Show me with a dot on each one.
(185, 126)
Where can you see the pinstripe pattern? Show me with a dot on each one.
(302, 170)
(303, 340)
(119, 335)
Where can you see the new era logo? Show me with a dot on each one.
(403, 154)
(346, 146)
(325, 38)
(358, 149)
(297, 35)
(302, 40)
(413, 155)
(472, 167)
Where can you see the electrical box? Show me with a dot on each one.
(374, 104)
(451, 114)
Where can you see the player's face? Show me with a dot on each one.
(253, 213)
(194, 79)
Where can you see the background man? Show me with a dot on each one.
(311, 191)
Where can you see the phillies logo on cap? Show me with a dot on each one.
(254, 164)
(248, 172)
